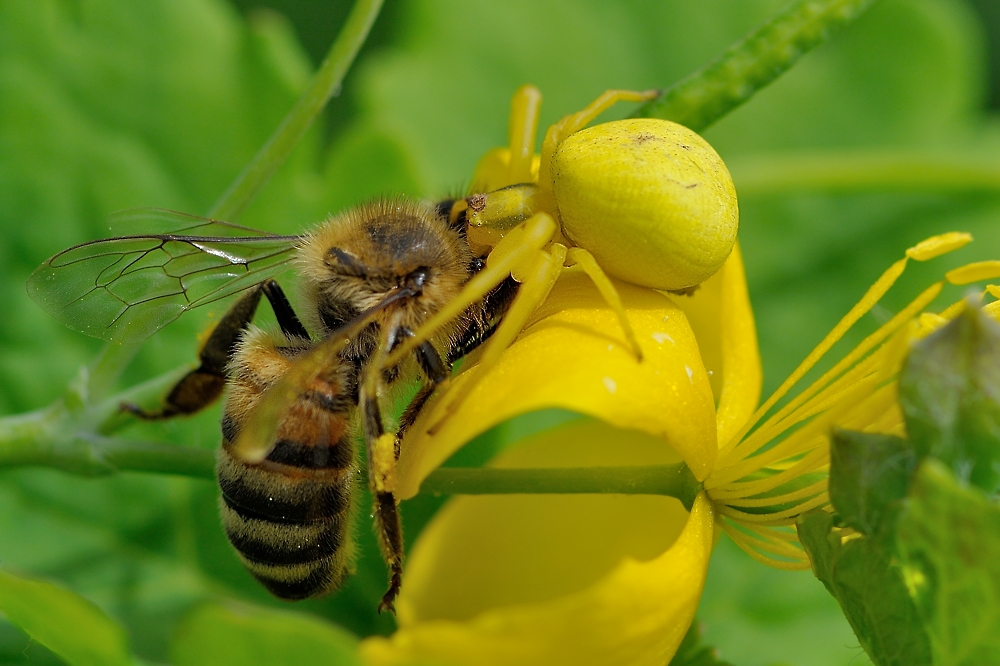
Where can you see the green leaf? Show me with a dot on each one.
(69, 625)
(949, 546)
(692, 653)
(950, 394)
(869, 475)
(870, 589)
(239, 635)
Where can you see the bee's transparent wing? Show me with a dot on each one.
(126, 288)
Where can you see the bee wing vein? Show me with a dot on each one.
(126, 288)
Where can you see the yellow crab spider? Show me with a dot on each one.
(646, 201)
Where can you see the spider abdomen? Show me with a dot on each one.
(650, 199)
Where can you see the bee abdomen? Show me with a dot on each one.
(323, 501)
(264, 542)
(294, 454)
(289, 524)
(300, 581)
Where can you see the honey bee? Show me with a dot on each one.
(371, 276)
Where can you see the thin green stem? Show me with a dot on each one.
(136, 456)
(670, 480)
(325, 85)
(752, 63)
(870, 170)
(110, 363)
(27, 439)
(98, 456)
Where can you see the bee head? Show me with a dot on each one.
(359, 258)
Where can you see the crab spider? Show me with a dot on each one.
(645, 201)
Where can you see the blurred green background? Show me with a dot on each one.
(111, 104)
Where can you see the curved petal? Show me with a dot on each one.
(741, 367)
(637, 614)
(722, 320)
(488, 551)
(573, 356)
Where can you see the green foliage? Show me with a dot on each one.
(869, 475)
(950, 394)
(216, 635)
(949, 549)
(920, 583)
(69, 625)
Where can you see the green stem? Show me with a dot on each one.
(867, 170)
(124, 455)
(100, 376)
(104, 455)
(26, 439)
(671, 480)
(325, 84)
(700, 99)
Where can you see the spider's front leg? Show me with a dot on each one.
(382, 447)
(575, 122)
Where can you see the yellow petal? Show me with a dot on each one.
(574, 356)
(720, 315)
(488, 551)
(637, 614)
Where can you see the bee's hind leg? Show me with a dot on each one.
(202, 386)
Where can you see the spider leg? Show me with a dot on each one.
(521, 133)
(512, 164)
(203, 385)
(507, 259)
(586, 261)
(575, 122)
(380, 447)
(536, 283)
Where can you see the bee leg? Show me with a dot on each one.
(412, 411)
(283, 312)
(480, 329)
(381, 450)
(203, 385)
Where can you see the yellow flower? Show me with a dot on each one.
(616, 579)
(580, 578)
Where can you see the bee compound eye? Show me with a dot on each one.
(650, 199)
(344, 262)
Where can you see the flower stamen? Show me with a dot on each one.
(770, 473)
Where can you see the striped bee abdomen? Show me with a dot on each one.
(288, 517)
